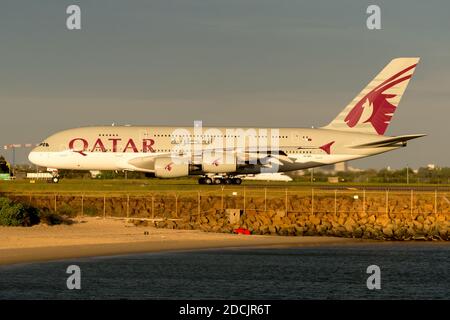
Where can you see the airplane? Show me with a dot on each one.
(279, 176)
(224, 155)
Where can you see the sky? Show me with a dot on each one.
(255, 63)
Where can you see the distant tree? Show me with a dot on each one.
(4, 166)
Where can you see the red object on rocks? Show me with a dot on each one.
(242, 231)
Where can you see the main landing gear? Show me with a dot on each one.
(55, 176)
(219, 180)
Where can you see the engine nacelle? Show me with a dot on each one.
(219, 164)
(167, 168)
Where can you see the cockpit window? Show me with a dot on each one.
(43, 144)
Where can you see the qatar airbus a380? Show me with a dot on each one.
(223, 155)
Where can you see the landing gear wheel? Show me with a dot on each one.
(55, 179)
(227, 181)
(208, 181)
(237, 181)
(217, 180)
(201, 181)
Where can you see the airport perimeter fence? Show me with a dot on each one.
(171, 205)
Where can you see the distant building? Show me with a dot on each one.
(333, 179)
(328, 169)
(296, 173)
(341, 166)
(337, 167)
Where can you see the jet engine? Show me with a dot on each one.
(168, 168)
(219, 164)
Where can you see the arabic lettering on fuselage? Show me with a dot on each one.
(191, 141)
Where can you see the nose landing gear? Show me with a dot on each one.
(55, 176)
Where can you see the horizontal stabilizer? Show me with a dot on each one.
(389, 141)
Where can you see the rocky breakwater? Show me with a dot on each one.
(376, 216)
(345, 219)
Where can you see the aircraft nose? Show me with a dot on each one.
(35, 157)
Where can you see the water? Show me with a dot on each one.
(408, 271)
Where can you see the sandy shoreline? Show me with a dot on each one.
(97, 237)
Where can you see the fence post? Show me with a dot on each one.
(312, 201)
(435, 201)
(265, 199)
(55, 202)
(128, 206)
(335, 202)
(387, 201)
(82, 205)
(198, 203)
(176, 205)
(199, 207)
(364, 200)
(286, 201)
(104, 207)
(244, 200)
(412, 203)
(153, 206)
(222, 187)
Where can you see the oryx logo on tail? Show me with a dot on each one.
(375, 104)
(372, 109)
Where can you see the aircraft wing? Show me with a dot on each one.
(253, 155)
(269, 156)
(146, 163)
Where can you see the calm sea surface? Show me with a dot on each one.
(408, 271)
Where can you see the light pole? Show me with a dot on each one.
(11, 168)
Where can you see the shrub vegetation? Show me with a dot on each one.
(14, 213)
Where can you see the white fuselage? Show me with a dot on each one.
(136, 148)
